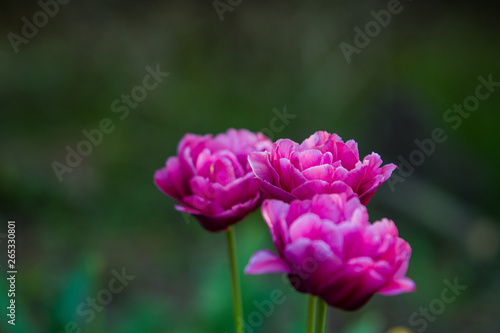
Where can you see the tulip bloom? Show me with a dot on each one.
(329, 249)
(323, 163)
(210, 177)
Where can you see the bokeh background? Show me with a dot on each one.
(107, 214)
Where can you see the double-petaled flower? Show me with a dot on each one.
(323, 163)
(328, 248)
(210, 177)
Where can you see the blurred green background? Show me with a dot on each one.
(107, 214)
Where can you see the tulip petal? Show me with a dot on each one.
(206, 207)
(178, 176)
(240, 190)
(342, 152)
(274, 191)
(203, 187)
(185, 209)
(355, 176)
(285, 173)
(164, 182)
(306, 226)
(260, 167)
(323, 172)
(371, 278)
(297, 208)
(398, 286)
(309, 158)
(218, 219)
(340, 187)
(353, 146)
(313, 261)
(317, 139)
(282, 148)
(310, 188)
(274, 213)
(310, 226)
(264, 262)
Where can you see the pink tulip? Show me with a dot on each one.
(211, 177)
(328, 248)
(323, 163)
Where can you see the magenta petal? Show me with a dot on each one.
(260, 167)
(203, 161)
(310, 226)
(205, 206)
(285, 173)
(274, 191)
(366, 197)
(306, 226)
(310, 188)
(353, 145)
(177, 176)
(347, 156)
(185, 209)
(164, 182)
(329, 207)
(373, 161)
(398, 286)
(340, 187)
(274, 213)
(215, 220)
(355, 176)
(238, 191)
(370, 183)
(338, 288)
(264, 262)
(323, 172)
(240, 142)
(313, 261)
(193, 140)
(297, 177)
(204, 187)
(309, 158)
(368, 284)
(282, 148)
(316, 139)
(386, 170)
(298, 208)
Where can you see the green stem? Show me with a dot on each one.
(311, 313)
(320, 316)
(237, 303)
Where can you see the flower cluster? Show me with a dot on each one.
(316, 190)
